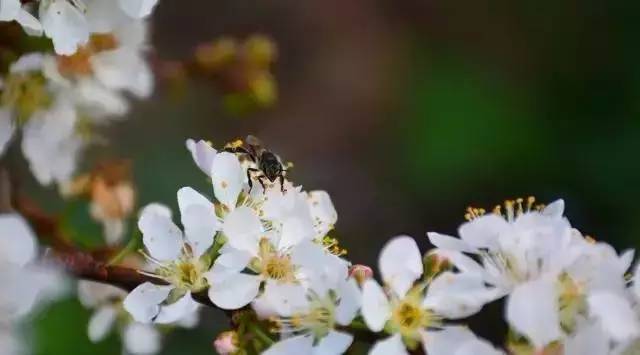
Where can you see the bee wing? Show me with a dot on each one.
(253, 141)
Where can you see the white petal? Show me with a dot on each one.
(350, 301)
(588, 340)
(449, 243)
(375, 305)
(9, 9)
(392, 345)
(446, 341)
(323, 212)
(228, 178)
(235, 292)
(17, 241)
(296, 229)
(296, 345)
(143, 303)
(616, 314)
(198, 218)
(335, 343)
(156, 208)
(400, 264)
(138, 8)
(554, 209)
(203, 154)
(28, 63)
(478, 347)
(461, 261)
(457, 296)
(161, 237)
(177, 310)
(30, 24)
(104, 16)
(7, 127)
(532, 310)
(636, 282)
(101, 323)
(92, 294)
(65, 25)
(228, 264)
(286, 299)
(98, 100)
(243, 229)
(187, 196)
(483, 232)
(141, 339)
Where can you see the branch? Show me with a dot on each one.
(90, 266)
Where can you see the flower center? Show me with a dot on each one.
(571, 301)
(79, 63)
(408, 316)
(273, 264)
(25, 93)
(318, 320)
(185, 274)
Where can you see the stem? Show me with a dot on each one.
(130, 247)
(260, 334)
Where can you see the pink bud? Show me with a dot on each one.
(226, 343)
(361, 273)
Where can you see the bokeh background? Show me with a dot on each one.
(406, 112)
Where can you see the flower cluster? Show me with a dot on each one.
(57, 99)
(70, 23)
(561, 287)
(263, 244)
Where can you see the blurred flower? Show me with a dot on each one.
(112, 195)
(226, 343)
(69, 23)
(99, 72)
(240, 69)
(137, 338)
(26, 284)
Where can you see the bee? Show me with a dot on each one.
(269, 165)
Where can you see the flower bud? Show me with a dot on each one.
(226, 343)
(361, 273)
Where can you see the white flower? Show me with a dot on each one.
(553, 275)
(308, 324)
(405, 311)
(271, 257)
(11, 10)
(180, 259)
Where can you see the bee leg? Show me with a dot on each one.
(260, 177)
(241, 150)
(282, 183)
(250, 177)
